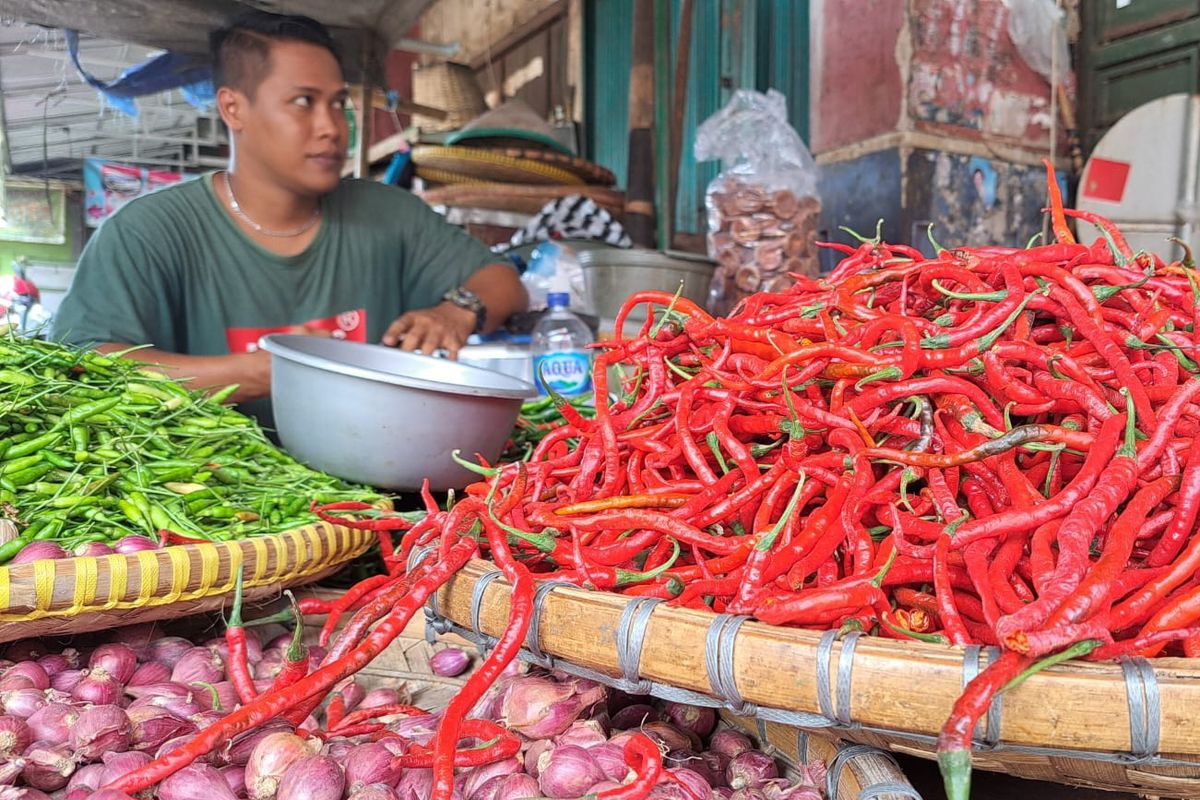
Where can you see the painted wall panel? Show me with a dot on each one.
(966, 77)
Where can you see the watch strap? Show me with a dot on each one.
(466, 299)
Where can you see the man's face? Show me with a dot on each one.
(295, 127)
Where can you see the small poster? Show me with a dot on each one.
(32, 212)
(108, 186)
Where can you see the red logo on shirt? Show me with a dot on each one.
(348, 325)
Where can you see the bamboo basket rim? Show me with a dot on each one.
(1075, 710)
(591, 172)
(856, 771)
(70, 595)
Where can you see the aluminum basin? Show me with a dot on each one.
(387, 418)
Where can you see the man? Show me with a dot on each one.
(278, 242)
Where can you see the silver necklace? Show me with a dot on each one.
(237, 209)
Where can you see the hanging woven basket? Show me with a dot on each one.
(452, 88)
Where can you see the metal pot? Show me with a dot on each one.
(384, 417)
(612, 275)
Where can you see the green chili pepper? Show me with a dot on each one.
(21, 464)
(89, 410)
(18, 479)
(33, 445)
(15, 378)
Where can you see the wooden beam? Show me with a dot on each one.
(523, 31)
(683, 51)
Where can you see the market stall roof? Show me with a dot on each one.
(183, 25)
(53, 118)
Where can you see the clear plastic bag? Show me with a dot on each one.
(763, 208)
(1037, 28)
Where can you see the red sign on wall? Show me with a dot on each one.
(1105, 180)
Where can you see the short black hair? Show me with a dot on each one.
(241, 51)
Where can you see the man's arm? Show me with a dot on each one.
(251, 371)
(447, 326)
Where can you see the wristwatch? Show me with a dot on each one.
(465, 298)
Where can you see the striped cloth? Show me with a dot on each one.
(572, 217)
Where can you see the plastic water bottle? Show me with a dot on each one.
(560, 354)
(543, 266)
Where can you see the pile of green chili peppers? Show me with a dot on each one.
(96, 447)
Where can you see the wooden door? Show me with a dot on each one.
(1131, 52)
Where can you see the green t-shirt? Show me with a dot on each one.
(174, 271)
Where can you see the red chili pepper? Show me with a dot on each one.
(1075, 536)
(1057, 218)
(295, 658)
(352, 596)
(235, 639)
(271, 704)
(643, 757)
(503, 744)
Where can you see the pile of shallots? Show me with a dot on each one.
(74, 719)
(575, 729)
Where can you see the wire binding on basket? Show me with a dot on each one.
(718, 662)
(1145, 710)
(1141, 688)
(877, 790)
(535, 618)
(825, 698)
(848, 754)
(631, 634)
(989, 738)
(477, 594)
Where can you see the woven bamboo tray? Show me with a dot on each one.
(857, 772)
(1131, 726)
(74, 595)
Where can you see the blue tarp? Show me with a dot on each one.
(167, 71)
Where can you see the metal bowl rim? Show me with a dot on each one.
(279, 345)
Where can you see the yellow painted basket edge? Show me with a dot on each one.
(57, 591)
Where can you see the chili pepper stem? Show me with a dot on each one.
(955, 766)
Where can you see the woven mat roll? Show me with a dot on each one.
(470, 163)
(518, 198)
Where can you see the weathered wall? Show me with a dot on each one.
(928, 114)
(477, 24)
(972, 200)
(966, 78)
(857, 81)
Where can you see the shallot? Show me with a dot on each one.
(449, 662)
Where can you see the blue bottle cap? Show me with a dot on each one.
(558, 300)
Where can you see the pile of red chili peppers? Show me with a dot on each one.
(991, 446)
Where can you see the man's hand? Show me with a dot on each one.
(443, 327)
(250, 371)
